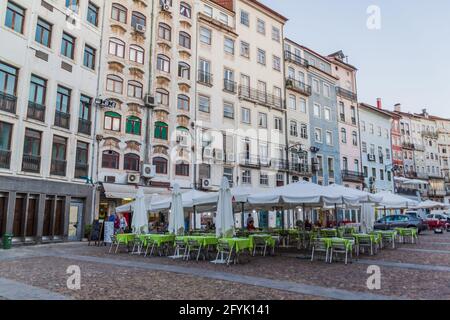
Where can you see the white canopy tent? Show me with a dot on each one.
(131, 205)
(188, 201)
(176, 214)
(394, 201)
(224, 217)
(361, 196)
(139, 223)
(431, 205)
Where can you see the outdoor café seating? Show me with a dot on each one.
(320, 245)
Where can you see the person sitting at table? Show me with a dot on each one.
(308, 225)
(250, 223)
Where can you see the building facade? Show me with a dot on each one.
(48, 81)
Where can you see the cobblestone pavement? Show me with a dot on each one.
(104, 278)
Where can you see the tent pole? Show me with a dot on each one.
(195, 218)
(243, 214)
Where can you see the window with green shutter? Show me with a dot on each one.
(133, 125)
(161, 130)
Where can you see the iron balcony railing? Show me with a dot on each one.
(347, 94)
(261, 97)
(409, 146)
(62, 119)
(8, 102)
(36, 111)
(81, 170)
(248, 160)
(280, 164)
(5, 159)
(298, 86)
(31, 163)
(84, 126)
(430, 134)
(292, 57)
(205, 77)
(58, 167)
(303, 169)
(229, 86)
(354, 176)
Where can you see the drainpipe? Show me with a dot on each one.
(195, 145)
(286, 137)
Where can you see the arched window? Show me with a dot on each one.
(161, 130)
(183, 102)
(161, 165)
(185, 10)
(185, 40)
(137, 54)
(117, 47)
(110, 159)
(164, 32)
(163, 63)
(119, 13)
(133, 125)
(162, 97)
(135, 89)
(182, 169)
(184, 70)
(131, 162)
(343, 135)
(112, 121)
(114, 84)
(137, 18)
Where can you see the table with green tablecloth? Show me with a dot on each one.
(407, 232)
(329, 233)
(330, 241)
(270, 241)
(239, 244)
(203, 240)
(389, 234)
(374, 238)
(159, 239)
(125, 238)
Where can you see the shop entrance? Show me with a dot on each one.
(76, 221)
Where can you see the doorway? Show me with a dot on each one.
(76, 221)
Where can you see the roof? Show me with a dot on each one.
(339, 57)
(227, 4)
(266, 8)
(372, 108)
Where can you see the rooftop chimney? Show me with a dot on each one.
(425, 113)
(379, 104)
(398, 107)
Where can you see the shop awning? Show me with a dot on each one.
(124, 191)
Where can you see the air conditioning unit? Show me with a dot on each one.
(148, 171)
(149, 100)
(218, 155)
(140, 28)
(207, 153)
(231, 157)
(206, 184)
(133, 178)
(165, 5)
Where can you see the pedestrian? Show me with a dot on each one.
(123, 225)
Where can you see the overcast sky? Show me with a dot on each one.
(406, 61)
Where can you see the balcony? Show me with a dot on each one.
(205, 78)
(229, 86)
(62, 119)
(407, 192)
(437, 193)
(299, 168)
(430, 134)
(419, 147)
(31, 163)
(5, 159)
(407, 145)
(250, 161)
(8, 102)
(58, 167)
(292, 57)
(84, 126)
(298, 86)
(261, 97)
(280, 164)
(411, 174)
(36, 111)
(81, 170)
(352, 176)
(346, 94)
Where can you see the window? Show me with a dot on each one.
(162, 97)
(343, 135)
(261, 56)
(371, 129)
(261, 26)
(382, 174)
(304, 131)
(318, 135)
(81, 160)
(131, 162)
(205, 36)
(92, 14)
(161, 130)
(280, 179)
(245, 49)
(43, 32)
(133, 125)
(114, 84)
(228, 173)
(137, 18)
(185, 40)
(38, 88)
(229, 46)
(363, 126)
(278, 124)
(329, 138)
(135, 89)
(163, 63)
(204, 103)
(31, 161)
(355, 138)
(293, 128)
(8, 79)
(161, 165)
(185, 10)
(164, 32)
(72, 5)
(327, 114)
(245, 115)
(316, 87)
(63, 99)
(246, 177)
(110, 159)
(183, 102)
(117, 47)
(302, 105)
(264, 179)
(112, 121)
(58, 160)
(223, 18)
(136, 54)
(84, 115)
(228, 110)
(245, 18)
(276, 63)
(316, 110)
(262, 120)
(119, 13)
(326, 90)
(182, 169)
(68, 46)
(204, 171)
(208, 11)
(5, 144)
(331, 167)
(14, 17)
(184, 70)
(89, 57)
(276, 34)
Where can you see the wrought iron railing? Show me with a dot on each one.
(8, 102)
(31, 163)
(261, 97)
(36, 111)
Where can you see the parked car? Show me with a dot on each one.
(438, 221)
(400, 221)
(416, 214)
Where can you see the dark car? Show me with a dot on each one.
(400, 221)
